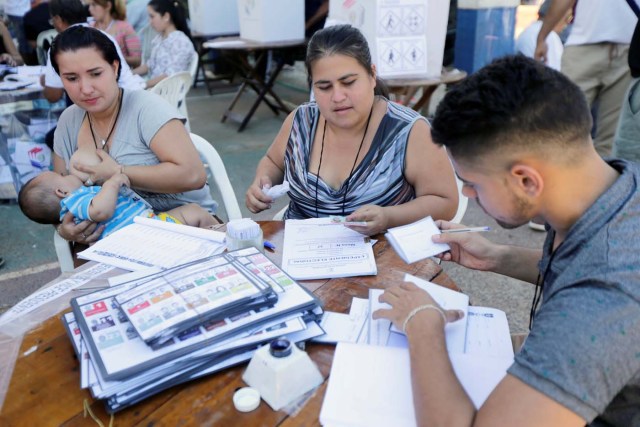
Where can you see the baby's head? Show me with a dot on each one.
(40, 198)
(86, 157)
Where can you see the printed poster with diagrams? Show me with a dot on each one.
(401, 42)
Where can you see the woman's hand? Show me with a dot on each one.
(5, 58)
(101, 172)
(406, 297)
(255, 199)
(375, 216)
(86, 232)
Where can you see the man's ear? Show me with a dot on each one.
(528, 179)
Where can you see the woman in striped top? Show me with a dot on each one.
(352, 152)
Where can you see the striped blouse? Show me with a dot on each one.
(377, 180)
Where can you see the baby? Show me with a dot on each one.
(49, 196)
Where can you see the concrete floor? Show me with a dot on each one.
(30, 259)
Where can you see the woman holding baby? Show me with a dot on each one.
(110, 130)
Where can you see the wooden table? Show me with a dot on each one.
(405, 89)
(236, 50)
(44, 389)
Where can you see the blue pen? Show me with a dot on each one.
(269, 245)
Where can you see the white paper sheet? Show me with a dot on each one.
(455, 333)
(413, 241)
(153, 244)
(488, 332)
(340, 327)
(318, 248)
(364, 391)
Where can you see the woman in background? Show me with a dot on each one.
(172, 50)
(8, 52)
(110, 16)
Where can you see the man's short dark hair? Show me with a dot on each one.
(70, 11)
(513, 103)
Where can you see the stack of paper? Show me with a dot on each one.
(362, 390)
(413, 241)
(119, 366)
(319, 248)
(149, 243)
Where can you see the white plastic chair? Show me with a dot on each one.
(174, 89)
(463, 202)
(193, 65)
(220, 178)
(219, 174)
(41, 49)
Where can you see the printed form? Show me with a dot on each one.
(319, 248)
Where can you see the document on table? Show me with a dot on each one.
(340, 327)
(455, 333)
(152, 243)
(370, 386)
(413, 241)
(319, 248)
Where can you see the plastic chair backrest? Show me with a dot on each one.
(43, 43)
(174, 89)
(193, 65)
(219, 174)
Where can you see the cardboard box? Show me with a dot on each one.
(271, 20)
(214, 17)
(406, 37)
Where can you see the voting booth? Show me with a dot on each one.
(214, 17)
(269, 21)
(406, 37)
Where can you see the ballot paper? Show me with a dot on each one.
(319, 248)
(413, 241)
(152, 243)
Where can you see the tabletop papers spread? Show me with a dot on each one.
(319, 248)
(152, 243)
(413, 241)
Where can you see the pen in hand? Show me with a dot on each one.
(466, 230)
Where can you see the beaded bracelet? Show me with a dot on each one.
(418, 310)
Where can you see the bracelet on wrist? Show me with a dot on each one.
(418, 310)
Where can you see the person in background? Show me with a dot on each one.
(15, 11)
(526, 45)
(135, 133)
(172, 50)
(137, 14)
(595, 57)
(518, 134)
(8, 53)
(35, 22)
(626, 144)
(526, 41)
(65, 14)
(110, 16)
(352, 152)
